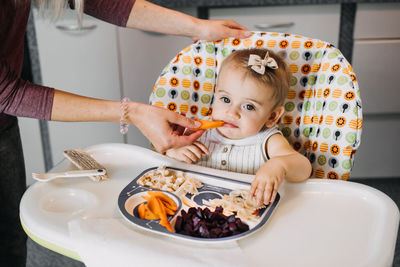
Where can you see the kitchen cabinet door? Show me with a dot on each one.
(32, 147)
(375, 64)
(314, 21)
(378, 155)
(377, 21)
(83, 62)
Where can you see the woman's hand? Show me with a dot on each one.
(159, 126)
(214, 30)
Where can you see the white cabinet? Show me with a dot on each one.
(378, 155)
(143, 56)
(375, 59)
(315, 21)
(81, 62)
(375, 56)
(375, 63)
(32, 147)
(377, 21)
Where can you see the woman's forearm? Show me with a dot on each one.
(150, 17)
(71, 107)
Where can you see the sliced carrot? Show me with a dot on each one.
(170, 211)
(208, 125)
(155, 205)
(163, 217)
(145, 213)
(158, 206)
(168, 202)
(142, 210)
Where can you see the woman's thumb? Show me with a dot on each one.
(184, 121)
(241, 34)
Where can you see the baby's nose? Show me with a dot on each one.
(233, 113)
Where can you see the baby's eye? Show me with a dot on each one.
(248, 107)
(225, 99)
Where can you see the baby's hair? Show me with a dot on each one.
(275, 78)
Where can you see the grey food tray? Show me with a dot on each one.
(213, 187)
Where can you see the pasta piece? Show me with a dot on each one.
(236, 203)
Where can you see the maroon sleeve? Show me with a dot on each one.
(112, 11)
(22, 98)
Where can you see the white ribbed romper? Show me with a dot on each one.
(245, 155)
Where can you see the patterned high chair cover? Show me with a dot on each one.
(323, 115)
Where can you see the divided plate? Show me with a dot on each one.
(213, 187)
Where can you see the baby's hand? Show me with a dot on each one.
(188, 154)
(266, 183)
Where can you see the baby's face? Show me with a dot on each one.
(241, 103)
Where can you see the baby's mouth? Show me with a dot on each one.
(229, 125)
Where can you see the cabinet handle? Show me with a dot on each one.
(76, 27)
(266, 26)
(153, 33)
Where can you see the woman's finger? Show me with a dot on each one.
(175, 140)
(240, 34)
(234, 29)
(234, 25)
(183, 121)
(179, 130)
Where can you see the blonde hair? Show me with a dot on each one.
(278, 78)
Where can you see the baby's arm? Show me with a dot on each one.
(284, 163)
(188, 154)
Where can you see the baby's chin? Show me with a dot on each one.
(230, 133)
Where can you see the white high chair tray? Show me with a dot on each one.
(317, 223)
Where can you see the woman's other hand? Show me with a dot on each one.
(214, 30)
(159, 126)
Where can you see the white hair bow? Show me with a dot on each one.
(258, 65)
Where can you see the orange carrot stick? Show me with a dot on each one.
(208, 125)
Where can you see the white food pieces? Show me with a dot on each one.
(170, 180)
(236, 203)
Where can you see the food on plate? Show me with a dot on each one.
(209, 125)
(157, 206)
(170, 180)
(208, 224)
(236, 203)
(188, 202)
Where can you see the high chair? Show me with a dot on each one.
(323, 112)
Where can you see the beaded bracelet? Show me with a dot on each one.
(123, 126)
